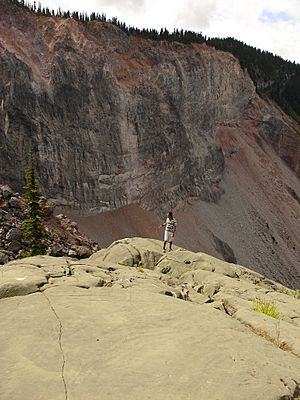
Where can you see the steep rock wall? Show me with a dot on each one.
(114, 119)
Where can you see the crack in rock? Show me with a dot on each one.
(60, 345)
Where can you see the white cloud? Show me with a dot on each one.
(194, 14)
(244, 22)
(111, 7)
(272, 25)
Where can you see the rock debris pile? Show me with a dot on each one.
(66, 240)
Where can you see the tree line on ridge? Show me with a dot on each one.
(273, 76)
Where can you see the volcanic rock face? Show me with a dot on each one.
(135, 321)
(114, 119)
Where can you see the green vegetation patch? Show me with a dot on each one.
(267, 307)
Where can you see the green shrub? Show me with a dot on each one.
(268, 308)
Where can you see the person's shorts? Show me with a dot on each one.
(168, 236)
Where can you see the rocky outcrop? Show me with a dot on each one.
(65, 240)
(176, 324)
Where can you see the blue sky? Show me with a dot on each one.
(274, 17)
(272, 25)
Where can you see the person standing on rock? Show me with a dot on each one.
(170, 229)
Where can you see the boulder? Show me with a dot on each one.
(56, 250)
(14, 246)
(82, 251)
(6, 192)
(14, 234)
(16, 202)
(71, 253)
(4, 258)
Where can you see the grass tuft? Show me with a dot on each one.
(268, 308)
(139, 267)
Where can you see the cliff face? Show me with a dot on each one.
(114, 119)
(117, 119)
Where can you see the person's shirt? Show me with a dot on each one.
(170, 224)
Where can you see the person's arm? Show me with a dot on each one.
(163, 224)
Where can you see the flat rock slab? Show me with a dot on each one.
(130, 343)
(110, 333)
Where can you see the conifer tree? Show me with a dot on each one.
(34, 232)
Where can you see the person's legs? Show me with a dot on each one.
(170, 245)
(167, 238)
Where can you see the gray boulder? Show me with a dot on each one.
(14, 234)
(6, 192)
(4, 258)
(16, 202)
(82, 251)
(14, 246)
(56, 250)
